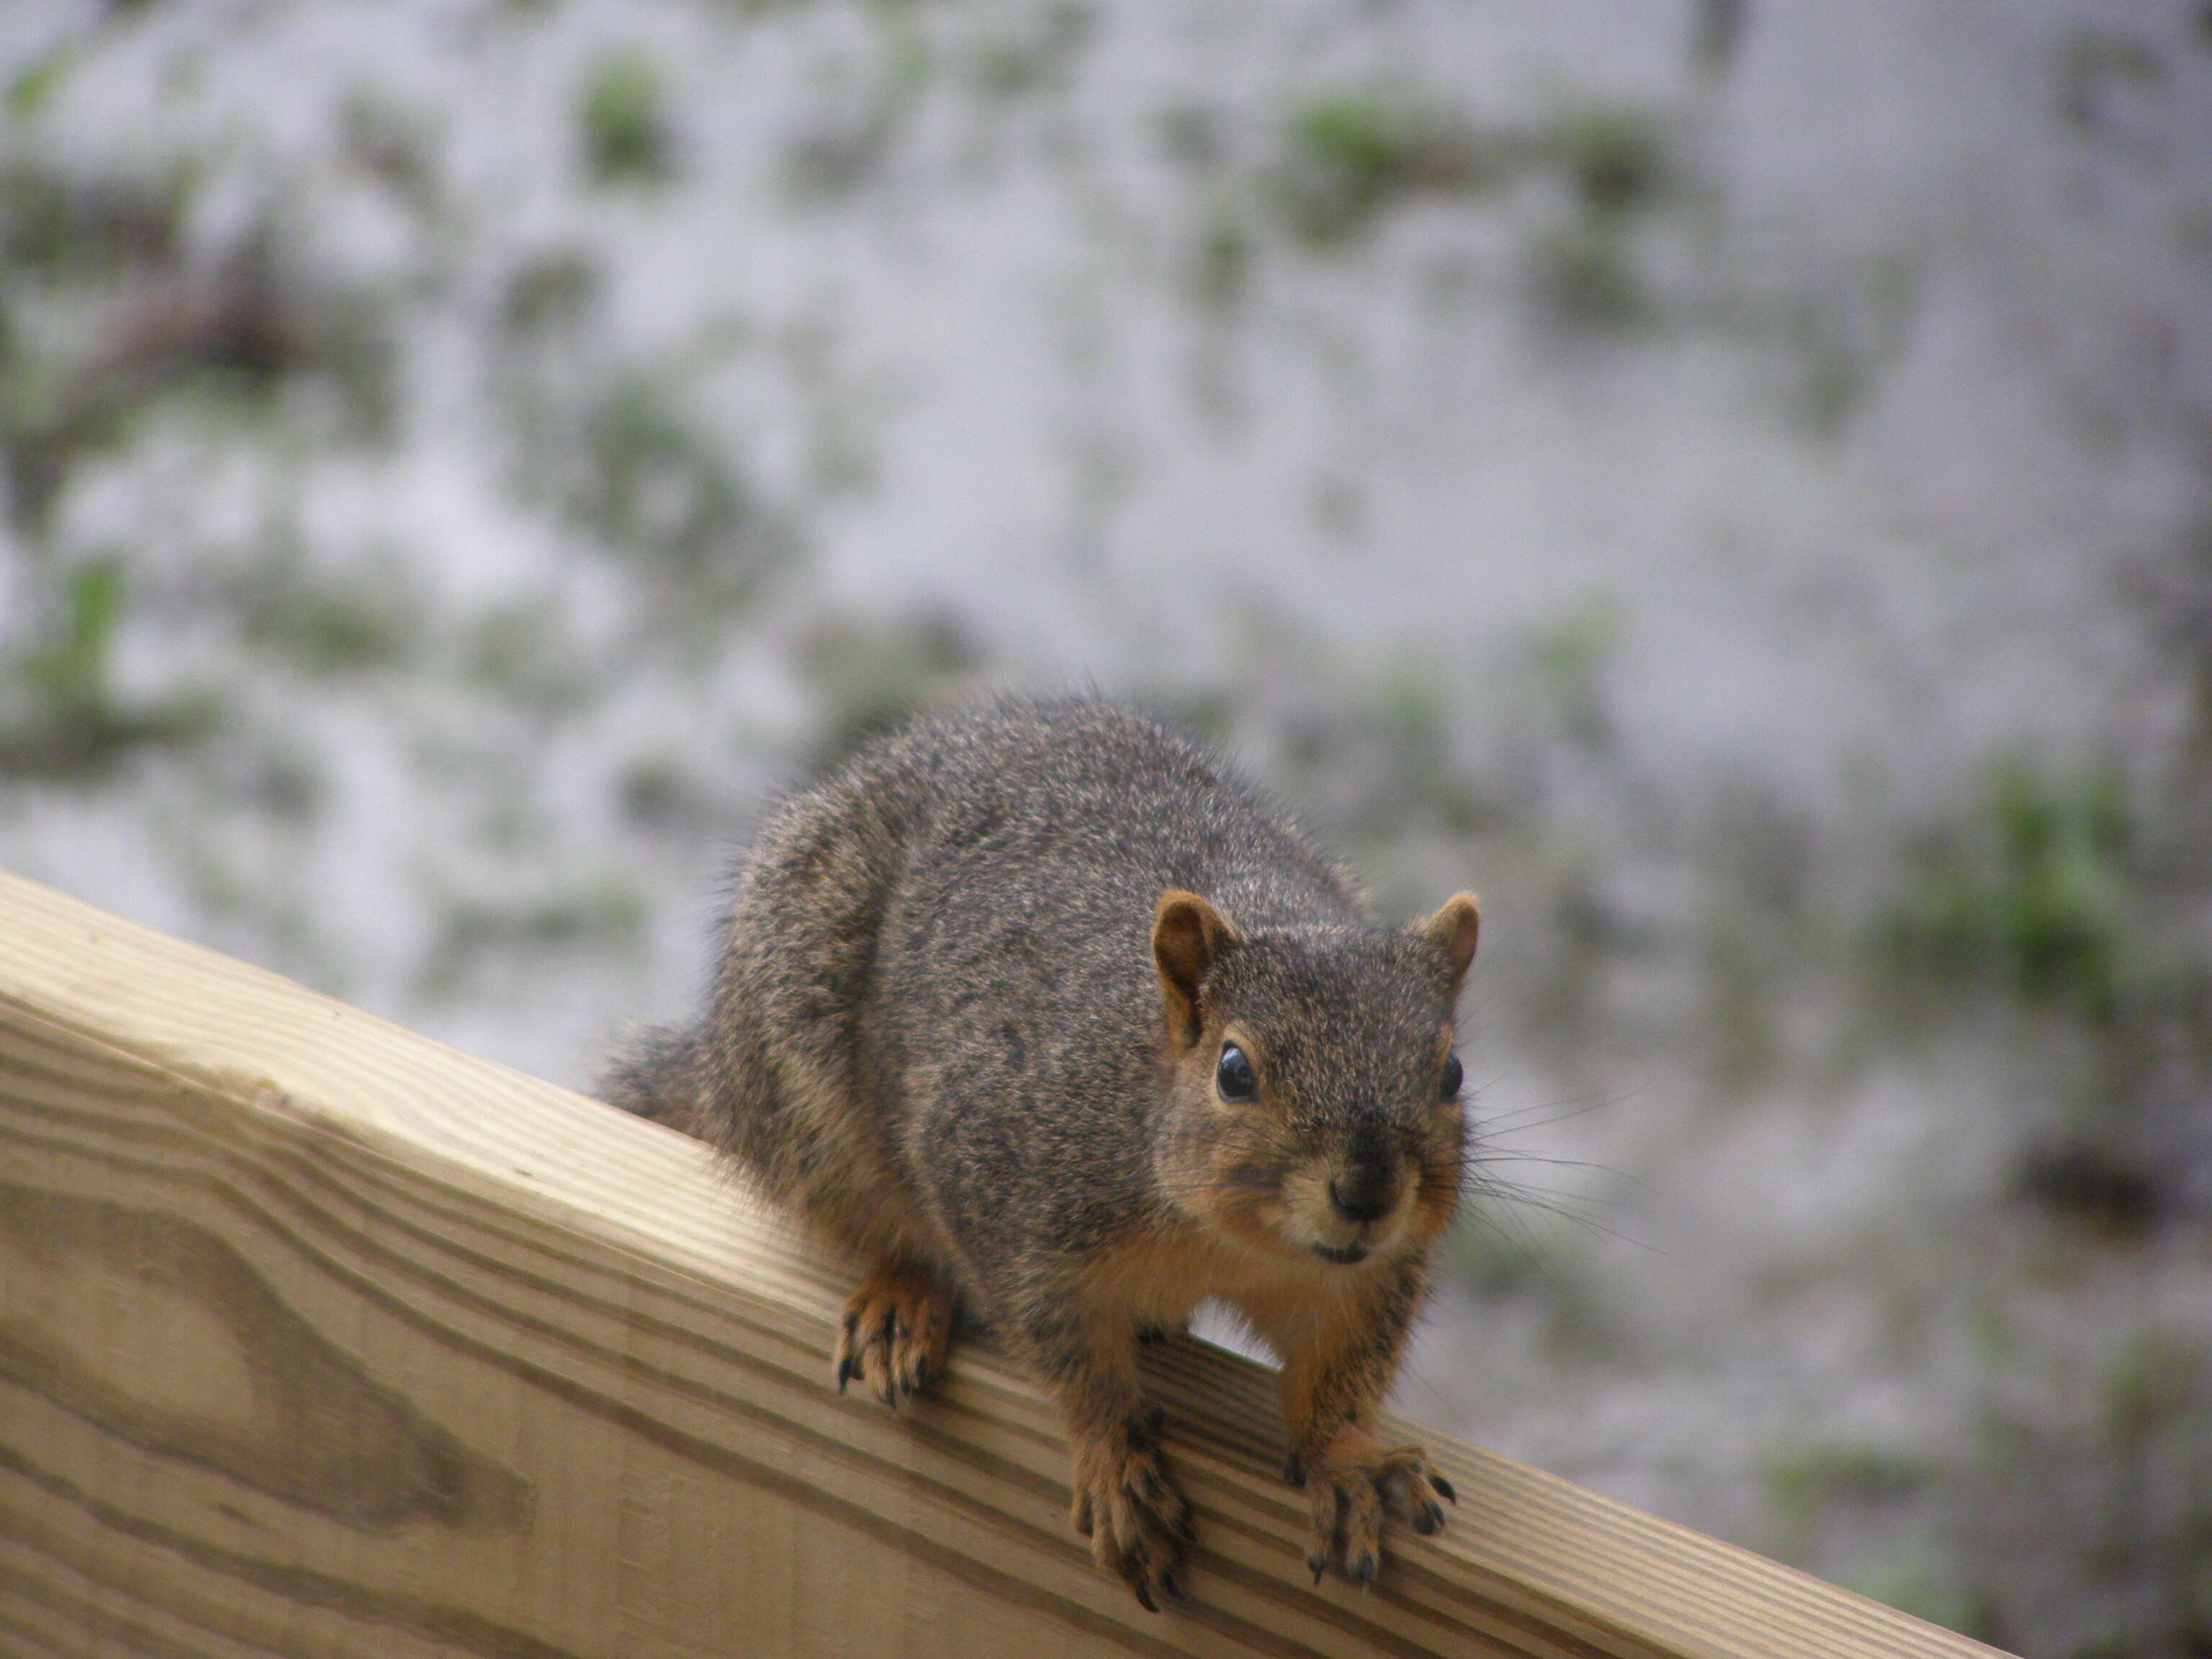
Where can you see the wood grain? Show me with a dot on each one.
(318, 1337)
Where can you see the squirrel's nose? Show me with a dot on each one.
(1365, 1192)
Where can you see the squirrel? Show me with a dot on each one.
(1041, 1013)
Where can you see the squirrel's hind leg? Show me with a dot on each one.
(896, 1333)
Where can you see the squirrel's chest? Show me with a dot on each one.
(1161, 1280)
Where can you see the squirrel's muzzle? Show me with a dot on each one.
(1365, 1192)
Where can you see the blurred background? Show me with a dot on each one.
(1730, 481)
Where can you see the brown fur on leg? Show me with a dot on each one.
(1338, 1364)
(1120, 1496)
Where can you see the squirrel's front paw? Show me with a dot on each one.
(897, 1331)
(1351, 1488)
(1127, 1506)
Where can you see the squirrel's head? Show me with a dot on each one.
(1313, 1093)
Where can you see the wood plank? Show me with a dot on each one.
(318, 1337)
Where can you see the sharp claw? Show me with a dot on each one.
(1171, 1587)
(1430, 1520)
(1318, 1564)
(1294, 1471)
(1363, 1570)
(1444, 1487)
(1144, 1599)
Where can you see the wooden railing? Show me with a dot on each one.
(318, 1337)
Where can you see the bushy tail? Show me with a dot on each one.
(657, 1076)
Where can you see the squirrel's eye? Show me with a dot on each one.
(1454, 1074)
(1233, 1075)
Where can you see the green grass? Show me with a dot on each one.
(648, 482)
(1583, 276)
(1348, 157)
(869, 674)
(594, 915)
(1572, 659)
(527, 653)
(1613, 154)
(331, 625)
(1801, 1483)
(549, 291)
(57, 223)
(61, 716)
(622, 114)
(2033, 894)
(1038, 58)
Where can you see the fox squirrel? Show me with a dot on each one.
(1036, 1011)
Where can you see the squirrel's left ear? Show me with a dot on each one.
(1452, 930)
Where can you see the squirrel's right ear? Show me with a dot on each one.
(1187, 935)
(1452, 930)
